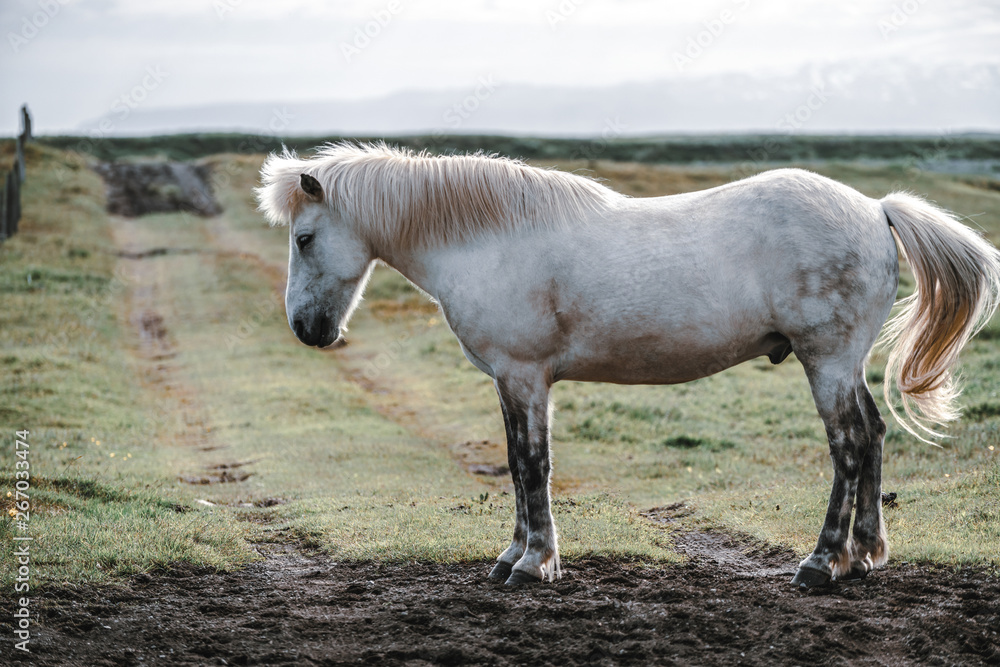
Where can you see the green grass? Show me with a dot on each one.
(683, 149)
(361, 452)
(65, 379)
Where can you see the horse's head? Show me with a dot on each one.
(328, 266)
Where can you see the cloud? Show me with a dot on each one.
(94, 52)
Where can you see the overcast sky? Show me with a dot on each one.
(75, 60)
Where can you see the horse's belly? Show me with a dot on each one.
(658, 360)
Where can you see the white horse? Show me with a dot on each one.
(546, 276)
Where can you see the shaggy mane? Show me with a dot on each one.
(399, 196)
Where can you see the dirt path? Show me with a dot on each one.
(297, 608)
(150, 316)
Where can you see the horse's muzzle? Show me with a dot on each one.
(323, 332)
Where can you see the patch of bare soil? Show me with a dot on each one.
(220, 473)
(139, 188)
(739, 555)
(304, 609)
(482, 457)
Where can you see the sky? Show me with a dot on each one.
(74, 61)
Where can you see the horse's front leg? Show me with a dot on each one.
(527, 405)
(505, 563)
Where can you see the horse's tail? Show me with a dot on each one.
(958, 290)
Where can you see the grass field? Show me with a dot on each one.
(173, 416)
(728, 148)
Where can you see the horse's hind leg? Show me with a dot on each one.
(505, 563)
(869, 548)
(841, 398)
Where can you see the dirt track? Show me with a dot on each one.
(296, 608)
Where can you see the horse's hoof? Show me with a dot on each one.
(808, 577)
(519, 577)
(854, 576)
(500, 571)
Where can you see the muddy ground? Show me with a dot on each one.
(140, 188)
(297, 608)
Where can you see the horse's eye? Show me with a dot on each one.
(303, 240)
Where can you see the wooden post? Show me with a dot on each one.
(25, 123)
(13, 202)
(20, 156)
(17, 204)
(3, 213)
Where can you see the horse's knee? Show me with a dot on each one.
(534, 469)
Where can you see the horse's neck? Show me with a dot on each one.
(414, 265)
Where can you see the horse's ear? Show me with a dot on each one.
(311, 187)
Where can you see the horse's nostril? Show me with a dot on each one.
(300, 329)
(326, 324)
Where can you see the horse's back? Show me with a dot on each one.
(669, 289)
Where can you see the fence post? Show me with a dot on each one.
(25, 123)
(17, 203)
(20, 156)
(13, 197)
(3, 213)
(10, 198)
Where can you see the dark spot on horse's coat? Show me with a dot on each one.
(840, 276)
(563, 322)
(847, 428)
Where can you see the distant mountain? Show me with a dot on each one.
(845, 97)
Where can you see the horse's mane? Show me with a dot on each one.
(402, 197)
